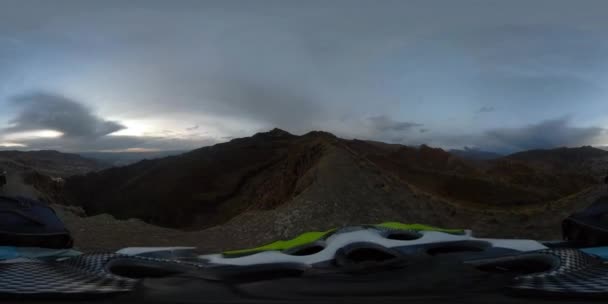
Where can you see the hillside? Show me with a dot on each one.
(39, 174)
(117, 159)
(48, 162)
(586, 159)
(258, 227)
(475, 154)
(505, 182)
(276, 184)
(205, 186)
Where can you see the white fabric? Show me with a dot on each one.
(339, 240)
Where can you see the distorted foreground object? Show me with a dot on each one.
(311, 237)
(30, 223)
(588, 227)
(87, 274)
(369, 263)
(559, 272)
(318, 247)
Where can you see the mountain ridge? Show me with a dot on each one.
(368, 180)
(276, 185)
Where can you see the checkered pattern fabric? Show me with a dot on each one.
(85, 274)
(577, 274)
(80, 275)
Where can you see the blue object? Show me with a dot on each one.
(30, 223)
(8, 252)
(12, 252)
(601, 252)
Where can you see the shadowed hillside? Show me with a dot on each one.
(205, 186)
(319, 180)
(503, 182)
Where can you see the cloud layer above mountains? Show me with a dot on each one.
(114, 75)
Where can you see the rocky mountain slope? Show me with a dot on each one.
(590, 160)
(258, 227)
(274, 185)
(504, 182)
(203, 187)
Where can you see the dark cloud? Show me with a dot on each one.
(546, 134)
(45, 111)
(300, 65)
(280, 103)
(381, 128)
(384, 123)
(195, 127)
(486, 109)
(82, 129)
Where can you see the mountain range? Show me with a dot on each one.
(275, 184)
(48, 162)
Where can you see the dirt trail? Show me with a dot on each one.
(15, 186)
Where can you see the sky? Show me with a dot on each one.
(147, 75)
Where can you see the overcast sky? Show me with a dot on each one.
(168, 75)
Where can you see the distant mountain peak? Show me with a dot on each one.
(276, 132)
(320, 134)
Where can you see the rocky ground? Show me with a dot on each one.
(104, 232)
(368, 197)
(314, 182)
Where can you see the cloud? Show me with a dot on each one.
(115, 143)
(537, 48)
(193, 128)
(486, 109)
(118, 143)
(304, 65)
(284, 103)
(545, 134)
(384, 123)
(45, 111)
(76, 128)
(379, 127)
(536, 71)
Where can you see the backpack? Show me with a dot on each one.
(30, 223)
(588, 227)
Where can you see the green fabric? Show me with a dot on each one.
(302, 239)
(418, 227)
(310, 237)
